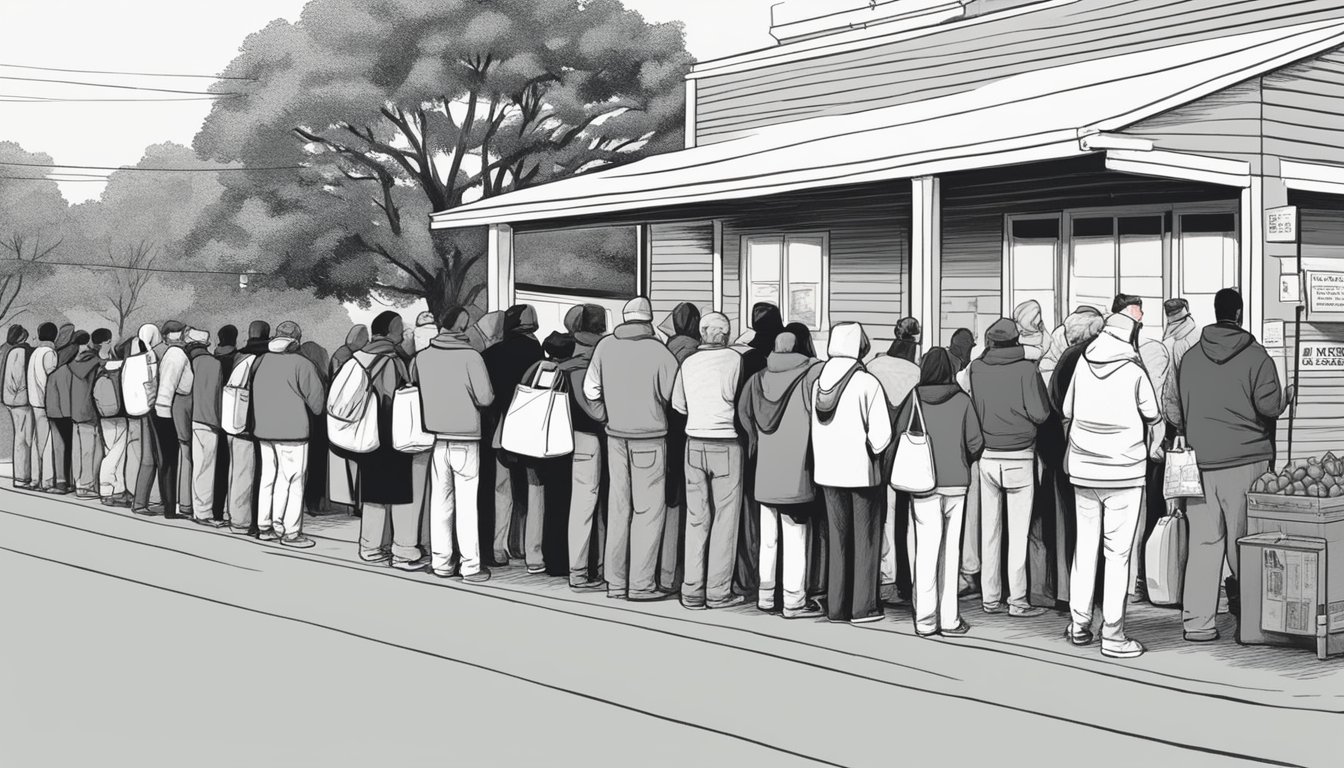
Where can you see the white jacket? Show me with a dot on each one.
(175, 378)
(1109, 407)
(847, 449)
(40, 365)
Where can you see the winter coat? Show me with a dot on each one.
(41, 364)
(1109, 407)
(15, 384)
(778, 428)
(385, 475)
(208, 373)
(59, 385)
(174, 380)
(318, 357)
(897, 375)
(587, 416)
(766, 323)
(83, 370)
(953, 429)
(1178, 339)
(685, 336)
(506, 363)
(1231, 398)
(851, 423)
(1010, 399)
(285, 390)
(487, 332)
(454, 387)
(705, 391)
(632, 374)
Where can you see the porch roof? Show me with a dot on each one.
(1026, 118)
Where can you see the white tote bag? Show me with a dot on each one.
(537, 423)
(913, 470)
(139, 383)
(352, 406)
(235, 400)
(408, 422)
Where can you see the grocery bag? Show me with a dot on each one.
(1164, 572)
(235, 399)
(408, 423)
(352, 407)
(139, 383)
(537, 423)
(913, 470)
(1182, 479)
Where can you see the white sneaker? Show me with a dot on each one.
(1126, 649)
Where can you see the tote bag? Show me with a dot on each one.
(408, 423)
(538, 423)
(913, 470)
(139, 383)
(1182, 480)
(352, 408)
(1164, 574)
(235, 400)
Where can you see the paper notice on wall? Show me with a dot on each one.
(1272, 333)
(1288, 591)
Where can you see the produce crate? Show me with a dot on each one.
(1274, 505)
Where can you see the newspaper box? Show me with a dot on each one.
(1287, 597)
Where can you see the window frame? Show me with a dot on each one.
(824, 289)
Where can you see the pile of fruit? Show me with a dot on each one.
(1319, 478)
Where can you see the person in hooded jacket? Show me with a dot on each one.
(59, 393)
(173, 380)
(898, 371)
(1059, 341)
(226, 352)
(147, 342)
(632, 374)
(486, 332)
(244, 448)
(196, 344)
(208, 373)
(684, 331)
(86, 445)
(546, 528)
(942, 411)
(14, 395)
(775, 412)
(41, 364)
(1179, 336)
(587, 528)
(115, 472)
(342, 473)
(815, 510)
(1108, 410)
(961, 348)
(851, 428)
(766, 324)
(1031, 333)
(1231, 399)
(507, 362)
(418, 338)
(355, 340)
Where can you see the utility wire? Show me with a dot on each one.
(234, 273)
(113, 85)
(100, 180)
(16, 99)
(136, 74)
(164, 170)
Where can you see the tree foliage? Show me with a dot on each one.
(394, 109)
(32, 228)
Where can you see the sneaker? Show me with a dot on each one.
(1078, 636)
(925, 633)
(810, 610)
(86, 494)
(442, 574)
(115, 501)
(209, 522)
(1029, 612)
(763, 608)
(995, 608)
(268, 535)
(589, 585)
(962, 628)
(58, 490)
(1193, 638)
(694, 606)
(156, 508)
(298, 542)
(237, 531)
(477, 578)
(144, 512)
(867, 619)
(536, 570)
(23, 485)
(1126, 649)
(732, 601)
(375, 557)
(419, 564)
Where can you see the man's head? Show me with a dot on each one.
(289, 330)
(17, 334)
(637, 310)
(1129, 305)
(1176, 310)
(80, 339)
(172, 331)
(907, 329)
(196, 336)
(228, 336)
(100, 338)
(714, 328)
(1003, 333)
(1227, 306)
(424, 318)
(46, 332)
(785, 343)
(259, 330)
(455, 320)
(388, 325)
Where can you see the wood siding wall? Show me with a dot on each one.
(1225, 125)
(681, 266)
(869, 234)
(960, 57)
(1304, 111)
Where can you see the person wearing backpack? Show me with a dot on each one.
(112, 421)
(14, 394)
(59, 392)
(41, 364)
(391, 487)
(286, 388)
(244, 450)
(84, 413)
(941, 410)
(148, 342)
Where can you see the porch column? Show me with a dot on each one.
(926, 236)
(499, 263)
(1257, 255)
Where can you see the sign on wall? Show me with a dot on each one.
(1319, 355)
(1281, 224)
(1325, 293)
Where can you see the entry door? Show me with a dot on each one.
(1209, 260)
(1111, 254)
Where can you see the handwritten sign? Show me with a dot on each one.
(1281, 224)
(1325, 292)
(1272, 334)
(1290, 289)
(1318, 356)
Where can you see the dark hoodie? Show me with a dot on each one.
(949, 416)
(1231, 398)
(1009, 395)
(767, 324)
(686, 331)
(588, 326)
(258, 337)
(83, 370)
(963, 343)
(509, 360)
(66, 349)
(773, 411)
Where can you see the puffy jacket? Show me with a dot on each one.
(454, 387)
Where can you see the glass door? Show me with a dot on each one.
(1033, 266)
(1209, 260)
(1111, 254)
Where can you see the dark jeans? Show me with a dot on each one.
(150, 459)
(221, 498)
(169, 450)
(62, 439)
(854, 516)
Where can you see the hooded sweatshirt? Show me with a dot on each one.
(454, 387)
(83, 370)
(954, 432)
(15, 385)
(587, 325)
(1010, 400)
(285, 390)
(851, 424)
(766, 324)
(1231, 398)
(1109, 407)
(509, 360)
(66, 350)
(963, 344)
(685, 336)
(487, 332)
(354, 341)
(1178, 338)
(775, 413)
(41, 364)
(208, 374)
(632, 374)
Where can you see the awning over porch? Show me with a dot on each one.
(1026, 118)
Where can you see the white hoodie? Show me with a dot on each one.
(847, 449)
(1109, 407)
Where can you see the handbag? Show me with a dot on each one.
(537, 423)
(1181, 479)
(139, 384)
(913, 469)
(1165, 556)
(408, 422)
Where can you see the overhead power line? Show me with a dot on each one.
(235, 273)
(17, 99)
(44, 178)
(155, 170)
(134, 74)
(112, 85)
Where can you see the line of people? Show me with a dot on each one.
(720, 472)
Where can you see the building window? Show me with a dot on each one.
(1209, 261)
(1033, 265)
(600, 262)
(789, 272)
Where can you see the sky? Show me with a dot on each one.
(172, 36)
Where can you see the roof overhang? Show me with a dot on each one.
(1312, 177)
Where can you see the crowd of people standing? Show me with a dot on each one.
(720, 472)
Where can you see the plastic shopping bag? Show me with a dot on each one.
(1182, 480)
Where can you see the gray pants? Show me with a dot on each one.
(24, 435)
(242, 507)
(86, 451)
(713, 513)
(503, 508)
(204, 455)
(535, 522)
(42, 465)
(1013, 480)
(586, 476)
(636, 509)
(1216, 522)
(112, 475)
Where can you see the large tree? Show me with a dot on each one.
(33, 217)
(364, 117)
